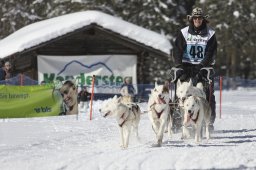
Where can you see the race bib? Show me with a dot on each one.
(194, 53)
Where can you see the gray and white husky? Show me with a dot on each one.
(127, 116)
(159, 112)
(196, 111)
(186, 89)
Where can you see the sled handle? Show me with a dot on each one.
(208, 69)
(174, 70)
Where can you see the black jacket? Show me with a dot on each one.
(2, 74)
(83, 96)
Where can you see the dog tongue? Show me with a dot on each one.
(161, 100)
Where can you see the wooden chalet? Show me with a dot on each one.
(91, 39)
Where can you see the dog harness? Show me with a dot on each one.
(124, 116)
(157, 113)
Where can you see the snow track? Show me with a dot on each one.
(60, 143)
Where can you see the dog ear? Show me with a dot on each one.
(190, 82)
(156, 83)
(119, 99)
(178, 83)
(115, 97)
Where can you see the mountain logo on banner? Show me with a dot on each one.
(71, 68)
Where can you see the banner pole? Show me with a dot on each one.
(21, 79)
(220, 94)
(92, 95)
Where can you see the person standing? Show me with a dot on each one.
(83, 97)
(247, 68)
(195, 47)
(5, 72)
(7, 69)
(127, 91)
(2, 74)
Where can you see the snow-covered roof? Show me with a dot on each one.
(39, 32)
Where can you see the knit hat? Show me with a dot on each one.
(197, 12)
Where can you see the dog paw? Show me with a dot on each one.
(183, 137)
(156, 145)
(123, 147)
(197, 142)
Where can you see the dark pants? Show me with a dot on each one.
(211, 99)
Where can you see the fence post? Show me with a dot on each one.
(92, 95)
(21, 79)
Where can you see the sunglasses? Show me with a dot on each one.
(199, 18)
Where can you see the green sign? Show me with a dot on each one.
(28, 101)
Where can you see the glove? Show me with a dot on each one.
(179, 66)
(184, 77)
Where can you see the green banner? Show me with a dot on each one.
(28, 101)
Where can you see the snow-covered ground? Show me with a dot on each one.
(58, 143)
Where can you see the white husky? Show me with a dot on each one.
(127, 116)
(186, 89)
(159, 111)
(197, 110)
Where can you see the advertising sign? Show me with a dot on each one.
(28, 101)
(109, 70)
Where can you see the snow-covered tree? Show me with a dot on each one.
(235, 24)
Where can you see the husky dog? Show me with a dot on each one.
(186, 89)
(127, 116)
(159, 111)
(197, 110)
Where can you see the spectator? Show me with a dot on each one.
(43, 82)
(83, 97)
(5, 72)
(7, 69)
(2, 74)
(69, 94)
(127, 91)
(247, 68)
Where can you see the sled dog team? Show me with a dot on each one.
(195, 109)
